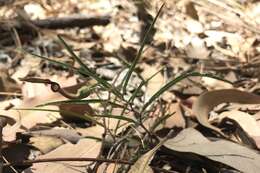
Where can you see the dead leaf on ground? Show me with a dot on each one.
(61, 133)
(87, 148)
(177, 119)
(156, 82)
(36, 94)
(190, 141)
(142, 164)
(7, 84)
(108, 168)
(208, 100)
(45, 143)
(246, 121)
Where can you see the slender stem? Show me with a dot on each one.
(29, 162)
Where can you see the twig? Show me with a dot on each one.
(29, 162)
(57, 23)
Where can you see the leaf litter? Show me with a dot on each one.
(194, 74)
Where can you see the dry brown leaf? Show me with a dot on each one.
(45, 143)
(246, 121)
(35, 94)
(191, 10)
(65, 134)
(109, 168)
(84, 148)
(208, 100)
(7, 84)
(94, 131)
(156, 82)
(190, 142)
(177, 119)
(142, 164)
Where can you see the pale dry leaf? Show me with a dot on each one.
(35, 94)
(61, 133)
(214, 84)
(142, 164)
(87, 148)
(45, 143)
(190, 142)
(253, 12)
(197, 49)
(193, 26)
(246, 121)
(208, 100)
(94, 131)
(177, 119)
(108, 168)
(156, 82)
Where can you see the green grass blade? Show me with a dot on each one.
(176, 80)
(119, 117)
(160, 120)
(88, 71)
(79, 101)
(134, 95)
(138, 56)
(56, 62)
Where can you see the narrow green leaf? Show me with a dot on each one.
(133, 96)
(88, 71)
(79, 101)
(176, 80)
(119, 117)
(56, 62)
(138, 56)
(160, 120)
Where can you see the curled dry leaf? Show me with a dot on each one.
(246, 121)
(208, 100)
(189, 142)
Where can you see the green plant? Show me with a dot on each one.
(116, 99)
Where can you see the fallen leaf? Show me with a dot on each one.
(156, 82)
(177, 119)
(7, 84)
(65, 134)
(142, 164)
(45, 143)
(84, 148)
(245, 120)
(197, 49)
(36, 94)
(208, 100)
(190, 142)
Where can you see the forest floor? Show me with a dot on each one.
(130, 86)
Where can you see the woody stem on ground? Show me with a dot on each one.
(29, 162)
